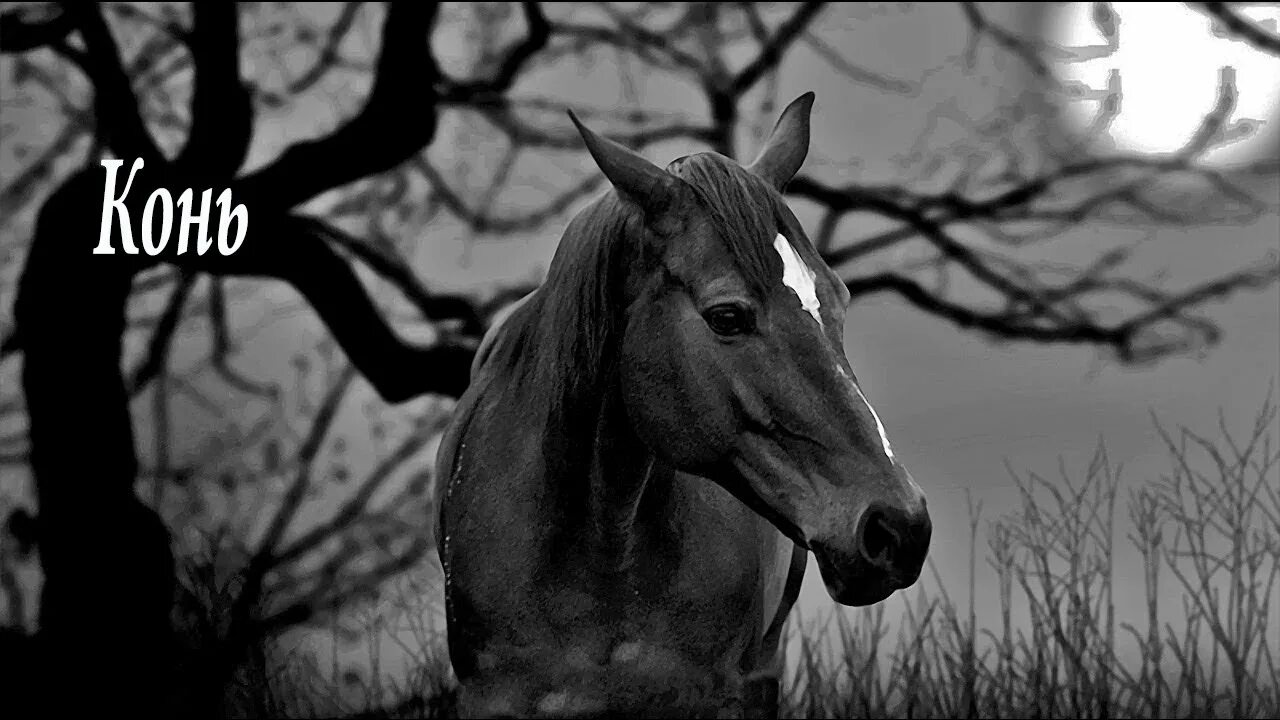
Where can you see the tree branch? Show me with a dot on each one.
(221, 108)
(319, 601)
(11, 343)
(484, 222)
(1035, 312)
(1241, 26)
(120, 125)
(221, 357)
(999, 325)
(329, 50)
(979, 25)
(357, 504)
(307, 454)
(520, 132)
(383, 135)
(773, 51)
(392, 267)
(162, 338)
(299, 253)
(537, 34)
(652, 47)
(242, 622)
(856, 74)
(18, 191)
(1251, 278)
(18, 35)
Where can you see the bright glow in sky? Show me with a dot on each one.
(1167, 65)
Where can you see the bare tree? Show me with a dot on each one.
(93, 532)
(118, 77)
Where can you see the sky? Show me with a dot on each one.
(956, 406)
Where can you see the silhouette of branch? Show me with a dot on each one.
(379, 137)
(652, 47)
(310, 264)
(1210, 128)
(120, 125)
(771, 54)
(525, 134)
(242, 622)
(392, 267)
(1017, 196)
(1035, 312)
(162, 338)
(301, 254)
(537, 34)
(307, 454)
(328, 55)
(221, 108)
(165, 26)
(11, 343)
(79, 122)
(221, 357)
(1251, 279)
(13, 456)
(18, 191)
(215, 50)
(330, 592)
(1241, 26)
(19, 35)
(358, 503)
(1134, 340)
(980, 25)
(1004, 325)
(484, 222)
(860, 75)
(1066, 196)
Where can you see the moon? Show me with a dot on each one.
(1166, 60)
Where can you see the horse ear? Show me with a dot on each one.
(785, 150)
(651, 187)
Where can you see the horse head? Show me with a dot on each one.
(731, 362)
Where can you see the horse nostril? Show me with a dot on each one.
(881, 542)
(894, 540)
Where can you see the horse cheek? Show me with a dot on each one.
(671, 401)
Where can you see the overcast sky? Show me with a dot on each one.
(955, 406)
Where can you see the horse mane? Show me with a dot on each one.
(745, 210)
(556, 346)
(560, 348)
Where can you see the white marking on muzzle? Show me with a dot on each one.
(884, 438)
(798, 276)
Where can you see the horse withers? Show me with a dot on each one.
(652, 442)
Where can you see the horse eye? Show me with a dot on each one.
(728, 320)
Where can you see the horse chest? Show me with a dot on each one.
(683, 585)
(688, 606)
(621, 645)
(538, 624)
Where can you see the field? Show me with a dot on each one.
(1208, 533)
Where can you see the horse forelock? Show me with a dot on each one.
(744, 210)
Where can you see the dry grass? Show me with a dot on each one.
(1208, 534)
(1206, 645)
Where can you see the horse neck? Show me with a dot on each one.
(619, 470)
(598, 467)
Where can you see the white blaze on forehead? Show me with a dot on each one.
(798, 276)
(884, 438)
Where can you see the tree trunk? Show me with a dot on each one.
(105, 635)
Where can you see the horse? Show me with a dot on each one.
(653, 442)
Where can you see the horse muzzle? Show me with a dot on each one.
(887, 553)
